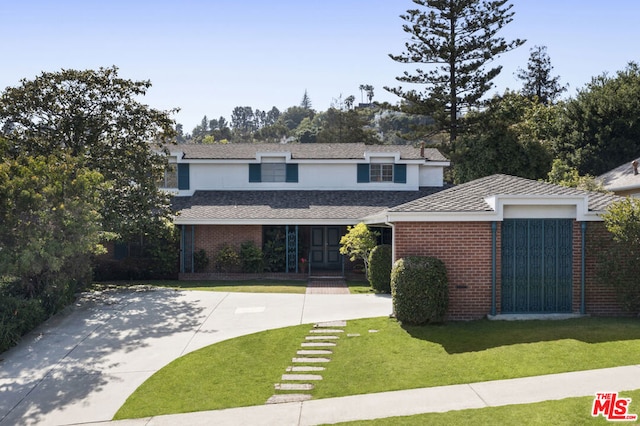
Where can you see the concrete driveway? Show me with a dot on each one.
(80, 366)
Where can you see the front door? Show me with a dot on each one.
(325, 247)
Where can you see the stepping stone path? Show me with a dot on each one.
(308, 364)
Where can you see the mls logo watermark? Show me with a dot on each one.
(612, 407)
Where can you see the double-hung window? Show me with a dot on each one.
(381, 172)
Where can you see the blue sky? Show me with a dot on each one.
(206, 57)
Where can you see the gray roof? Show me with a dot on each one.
(309, 151)
(470, 196)
(290, 205)
(622, 177)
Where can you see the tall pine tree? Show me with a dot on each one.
(457, 38)
(537, 79)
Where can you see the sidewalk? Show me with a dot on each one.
(411, 402)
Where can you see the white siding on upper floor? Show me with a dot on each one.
(311, 176)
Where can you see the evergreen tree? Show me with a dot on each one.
(306, 101)
(459, 37)
(537, 77)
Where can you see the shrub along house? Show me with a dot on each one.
(294, 201)
(510, 245)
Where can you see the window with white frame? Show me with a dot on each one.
(381, 173)
(170, 178)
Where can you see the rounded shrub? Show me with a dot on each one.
(420, 290)
(380, 263)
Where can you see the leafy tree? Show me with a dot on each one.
(622, 220)
(459, 37)
(338, 126)
(564, 175)
(243, 121)
(500, 140)
(293, 116)
(95, 117)
(537, 77)
(358, 242)
(50, 224)
(601, 126)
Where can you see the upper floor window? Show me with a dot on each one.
(381, 172)
(170, 178)
(273, 172)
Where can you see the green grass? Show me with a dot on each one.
(241, 286)
(569, 411)
(386, 356)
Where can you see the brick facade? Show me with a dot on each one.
(466, 250)
(211, 238)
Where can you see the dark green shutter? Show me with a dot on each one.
(183, 176)
(255, 173)
(400, 173)
(363, 173)
(292, 173)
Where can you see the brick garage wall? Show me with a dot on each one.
(465, 249)
(212, 238)
(600, 298)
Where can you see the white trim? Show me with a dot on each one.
(497, 203)
(179, 221)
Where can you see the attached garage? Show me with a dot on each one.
(537, 260)
(510, 245)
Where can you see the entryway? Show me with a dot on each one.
(325, 248)
(537, 263)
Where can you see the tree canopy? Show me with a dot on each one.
(96, 117)
(457, 38)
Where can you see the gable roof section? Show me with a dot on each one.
(310, 151)
(288, 207)
(478, 197)
(622, 178)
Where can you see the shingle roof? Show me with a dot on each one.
(470, 196)
(308, 151)
(622, 177)
(290, 205)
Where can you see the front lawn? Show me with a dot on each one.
(386, 356)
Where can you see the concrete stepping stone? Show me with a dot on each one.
(288, 397)
(332, 324)
(322, 338)
(294, 386)
(314, 352)
(300, 377)
(353, 335)
(318, 345)
(326, 331)
(305, 360)
(304, 368)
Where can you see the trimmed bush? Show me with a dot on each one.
(227, 259)
(380, 263)
(420, 290)
(251, 258)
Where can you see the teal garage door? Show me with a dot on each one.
(537, 263)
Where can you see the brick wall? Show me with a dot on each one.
(211, 238)
(600, 299)
(465, 249)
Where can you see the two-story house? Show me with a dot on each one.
(510, 245)
(299, 196)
